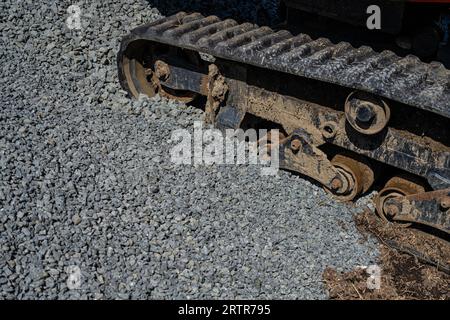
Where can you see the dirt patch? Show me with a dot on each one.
(427, 248)
(413, 265)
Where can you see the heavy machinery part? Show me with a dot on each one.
(396, 187)
(158, 72)
(360, 171)
(217, 90)
(298, 153)
(406, 80)
(394, 147)
(429, 208)
(302, 85)
(163, 79)
(366, 113)
(325, 125)
(343, 177)
(236, 88)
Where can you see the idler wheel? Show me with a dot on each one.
(145, 70)
(366, 113)
(398, 186)
(357, 177)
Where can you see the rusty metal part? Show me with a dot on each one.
(366, 113)
(423, 208)
(336, 184)
(230, 97)
(298, 153)
(135, 76)
(150, 72)
(174, 94)
(445, 202)
(391, 210)
(186, 80)
(281, 136)
(394, 147)
(364, 170)
(408, 184)
(217, 90)
(344, 188)
(398, 148)
(296, 145)
(172, 73)
(268, 143)
(359, 173)
(397, 187)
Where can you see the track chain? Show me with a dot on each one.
(403, 79)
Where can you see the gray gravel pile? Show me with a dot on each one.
(86, 182)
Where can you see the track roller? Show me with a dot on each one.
(366, 113)
(358, 173)
(398, 186)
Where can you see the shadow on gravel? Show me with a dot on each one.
(263, 12)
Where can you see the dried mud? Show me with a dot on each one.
(414, 266)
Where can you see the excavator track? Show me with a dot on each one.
(406, 80)
(344, 111)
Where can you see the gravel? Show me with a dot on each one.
(91, 207)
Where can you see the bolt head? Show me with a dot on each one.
(392, 210)
(364, 113)
(329, 130)
(336, 184)
(445, 202)
(296, 144)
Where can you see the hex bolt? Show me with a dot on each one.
(365, 113)
(329, 130)
(445, 202)
(392, 210)
(336, 184)
(296, 144)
